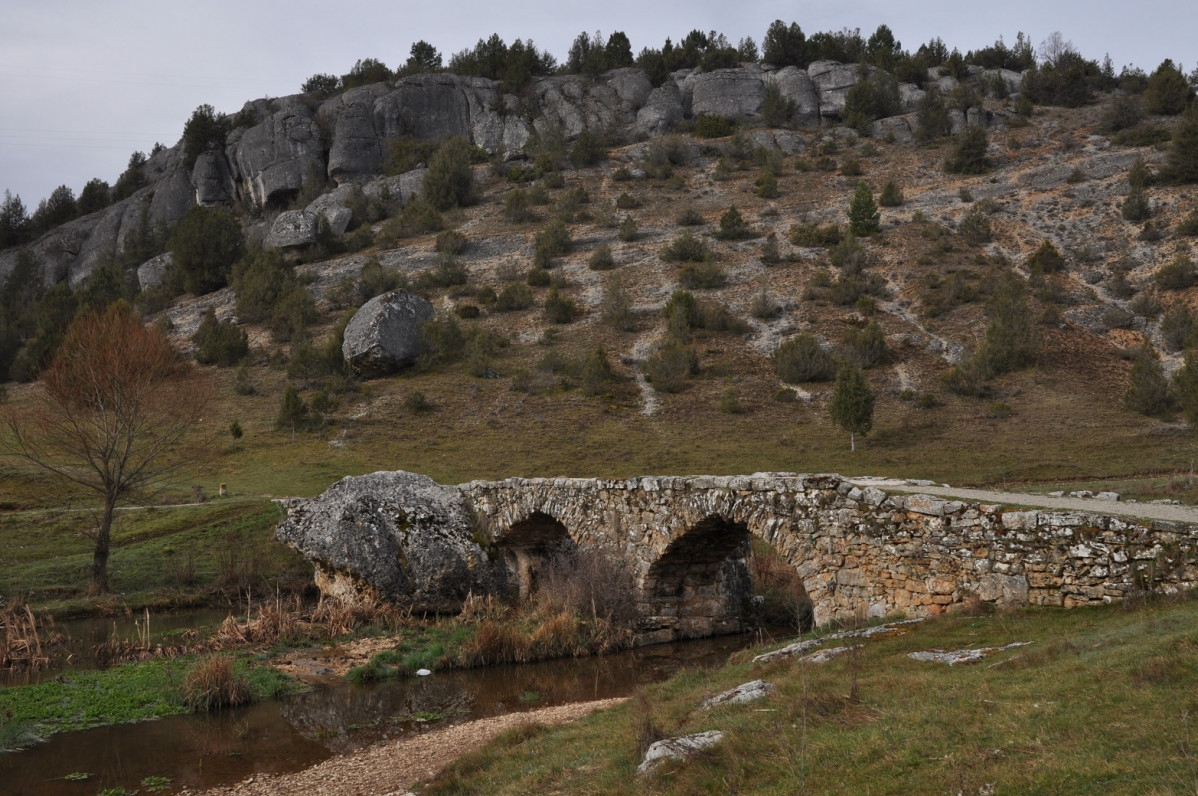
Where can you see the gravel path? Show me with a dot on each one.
(1142, 511)
(393, 767)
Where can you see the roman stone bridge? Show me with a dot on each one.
(861, 550)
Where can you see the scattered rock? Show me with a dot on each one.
(953, 657)
(152, 272)
(823, 656)
(867, 632)
(292, 228)
(746, 692)
(789, 651)
(677, 749)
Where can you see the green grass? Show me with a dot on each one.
(161, 557)
(1105, 700)
(78, 700)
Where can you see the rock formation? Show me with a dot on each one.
(391, 536)
(283, 145)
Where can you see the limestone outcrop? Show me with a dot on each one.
(283, 145)
(393, 536)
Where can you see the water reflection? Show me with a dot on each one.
(333, 717)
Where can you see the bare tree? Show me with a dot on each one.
(1054, 48)
(114, 401)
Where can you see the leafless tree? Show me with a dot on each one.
(109, 409)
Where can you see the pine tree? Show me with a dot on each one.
(864, 218)
(1183, 152)
(1148, 393)
(852, 406)
(293, 412)
(1011, 337)
(1185, 387)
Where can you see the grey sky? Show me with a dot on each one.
(87, 83)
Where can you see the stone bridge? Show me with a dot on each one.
(860, 550)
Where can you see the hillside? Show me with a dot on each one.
(512, 391)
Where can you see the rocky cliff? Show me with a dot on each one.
(284, 144)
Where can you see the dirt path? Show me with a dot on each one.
(1142, 511)
(393, 767)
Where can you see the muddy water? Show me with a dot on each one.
(333, 717)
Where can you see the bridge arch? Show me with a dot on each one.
(700, 585)
(524, 546)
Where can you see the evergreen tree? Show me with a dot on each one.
(852, 406)
(618, 50)
(1182, 165)
(1011, 337)
(1167, 92)
(1148, 392)
(449, 181)
(205, 242)
(969, 153)
(205, 130)
(784, 45)
(219, 343)
(423, 58)
(293, 412)
(93, 197)
(864, 218)
(1185, 387)
(58, 208)
(14, 221)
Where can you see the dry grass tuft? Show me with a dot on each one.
(214, 683)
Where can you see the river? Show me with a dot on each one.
(332, 717)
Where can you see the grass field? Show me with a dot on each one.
(1103, 700)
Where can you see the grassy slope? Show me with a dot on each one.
(1103, 701)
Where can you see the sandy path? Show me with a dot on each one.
(1143, 511)
(393, 767)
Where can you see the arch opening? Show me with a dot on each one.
(780, 599)
(525, 547)
(700, 586)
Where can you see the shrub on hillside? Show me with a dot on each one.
(710, 125)
(811, 234)
(686, 248)
(205, 243)
(219, 343)
(969, 153)
(1178, 274)
(892, 195)
(733, 226)
(552, 241)
(1047, 259)
(802, 359)
(669, 368)
(449, 181)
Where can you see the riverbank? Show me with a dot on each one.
(393, 767)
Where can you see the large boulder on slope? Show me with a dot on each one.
(384, 335)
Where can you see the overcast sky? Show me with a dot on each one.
(87, 83)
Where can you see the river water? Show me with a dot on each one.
(333, 717)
